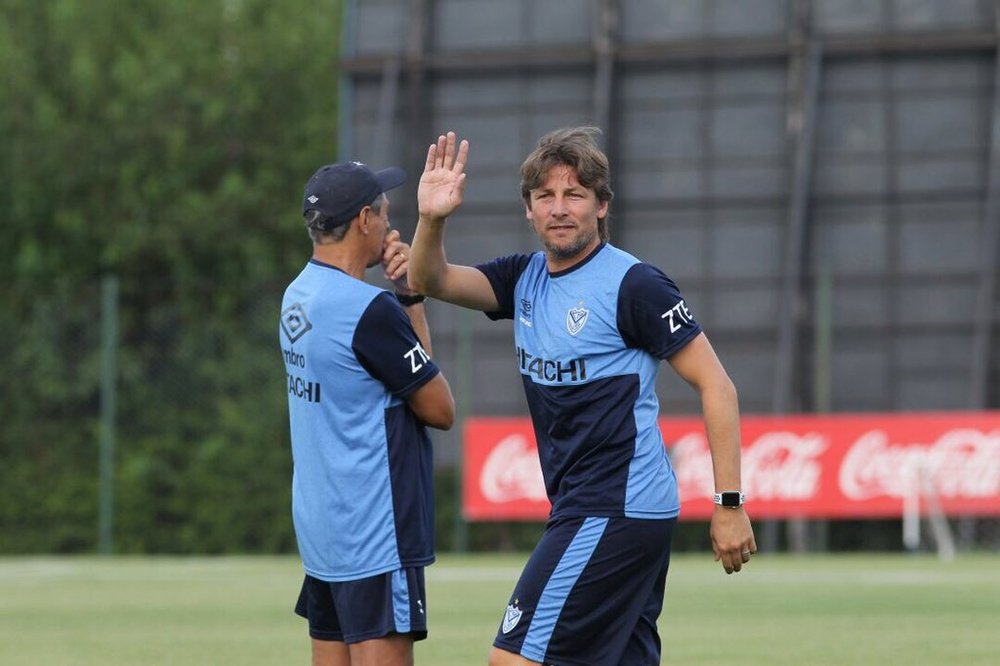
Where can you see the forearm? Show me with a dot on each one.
(418, 318)
(427, 257)
(720, 407)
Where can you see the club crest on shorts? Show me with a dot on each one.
(511, 617)
(576, 319)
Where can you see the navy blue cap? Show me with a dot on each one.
(340, 191)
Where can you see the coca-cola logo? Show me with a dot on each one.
(778, 465)
(512, 472)
(821, 466)
(961, 463)
(692, 465)
(785, 465)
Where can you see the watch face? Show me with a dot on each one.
(730, 499)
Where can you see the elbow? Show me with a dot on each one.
(729, 388)
(719, 388)
(433, 404)
(417, 275)
(424, 278)
(415, 279)
(448, 417)
(725, 389)
(443, 418)
(420, 284)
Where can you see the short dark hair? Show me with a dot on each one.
(574, 147)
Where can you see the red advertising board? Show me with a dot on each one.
(839, 466)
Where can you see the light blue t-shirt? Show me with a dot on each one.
(362, 493)
(588, 342)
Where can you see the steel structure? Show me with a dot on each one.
(752, 143)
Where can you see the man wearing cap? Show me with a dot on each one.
(362, 389)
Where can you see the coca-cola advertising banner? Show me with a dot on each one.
(843, 466)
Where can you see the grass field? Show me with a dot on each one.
(811, 611)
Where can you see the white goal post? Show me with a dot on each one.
(921, 493)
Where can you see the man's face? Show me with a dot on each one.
(564, 214)
(379, 232)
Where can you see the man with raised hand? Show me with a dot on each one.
(591, 325)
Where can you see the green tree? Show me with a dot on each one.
(165, 142)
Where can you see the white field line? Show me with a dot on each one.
(444, 573)
(43, 570)
(819, 577)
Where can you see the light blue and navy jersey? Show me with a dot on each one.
(362, 499)
(588, 343)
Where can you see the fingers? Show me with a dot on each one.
(732, 564)
(395, 256)
(431, 157)
(460, 188)
(435, 155)
(442, 184)
(463, 156)
(443, 154)
(733, 559)
(396, 265)
(449, 150)
(743, 557)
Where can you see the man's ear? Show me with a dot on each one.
(364, 217)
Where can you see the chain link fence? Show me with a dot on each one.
(200, 443)
(201, 462)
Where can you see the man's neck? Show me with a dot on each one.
(342, 256)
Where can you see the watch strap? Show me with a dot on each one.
(730, 499)
(407, 300)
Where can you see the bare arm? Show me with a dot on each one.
(732, 534)
(438, 195)
(433, 402)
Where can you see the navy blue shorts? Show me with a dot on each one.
(590, 593)
(360, 610)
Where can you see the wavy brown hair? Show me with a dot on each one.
(574, 147)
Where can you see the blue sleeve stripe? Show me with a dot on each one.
(401, 601)
(559, 586)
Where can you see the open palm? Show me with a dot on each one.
(443, 181)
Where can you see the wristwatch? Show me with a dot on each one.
(407, 300)
(730, 499)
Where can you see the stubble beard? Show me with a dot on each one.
(570, 250)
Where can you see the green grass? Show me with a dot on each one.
(816, 610)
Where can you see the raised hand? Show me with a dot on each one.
(443, 181)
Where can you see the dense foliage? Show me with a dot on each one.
(164, 143)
